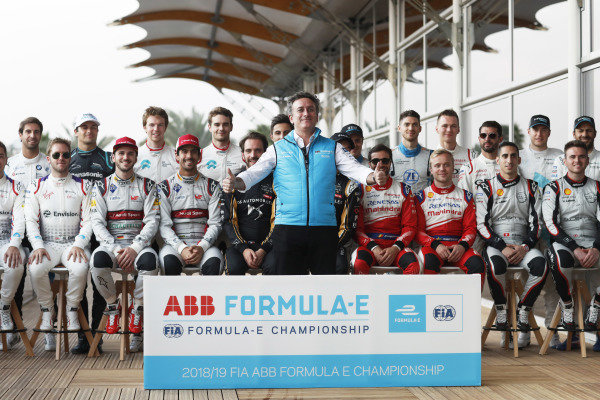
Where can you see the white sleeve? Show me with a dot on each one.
(558, 169)
(463, 179)
(349, 166)
(259, 171)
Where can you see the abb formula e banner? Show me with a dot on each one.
(226, 332)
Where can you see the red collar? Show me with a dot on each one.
(151, 149)
(384, 187)
(220, 149)
(438, 190)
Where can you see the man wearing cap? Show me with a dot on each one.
(280, 127)
(156, 160)
(220, 154)
(190, 215)
(356, 134)
(485, 165)
(448, 128)
(584, 129)
(411, 160)
(248, 217)
(88, 161)
(125, 218)
(347, 202)
(304, 166)
(537, 160)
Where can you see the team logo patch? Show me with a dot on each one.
(112, 187)
(567, 191)
(135, 197)
(145, 164)
(177, 187)
(38, 167)
(368, 188)
(500, 192)
(430, 195)
(198, 196)
(211, 164)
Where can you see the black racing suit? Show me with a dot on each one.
(347, 202)
(248, 224)
(93, 165)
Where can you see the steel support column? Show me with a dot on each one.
(328, 108)
(457, 62)
(392, 71)
(574, 57)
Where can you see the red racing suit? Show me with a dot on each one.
(386, 218)
(447, 216)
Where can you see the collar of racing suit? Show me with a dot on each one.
(153, 149)
(384, 187)
(575, 183)
(121, 182)
(440, 190)
(508, 183)
(188, 179)
(59, 181)
(408, 152)
(221, 149)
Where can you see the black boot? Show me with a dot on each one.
(83, 347)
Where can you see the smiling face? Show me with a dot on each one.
(442, 168)
(220, 127)
(125, 158)
(447, 127)
(508, 159)
(409, 128)
(304, 115)
(87, 133)
(576, 160)
(586, 133)
(59, 158)
(188, 157)
(155, 129)
(253, 149)
(31, 136)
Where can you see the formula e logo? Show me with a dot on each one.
(145, 164)
(444, 313)
(407, 313)
(211, 164)
(38, 167)
(410, 177)
(172, 331)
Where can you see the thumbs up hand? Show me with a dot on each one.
(380, 176)
(228, 184)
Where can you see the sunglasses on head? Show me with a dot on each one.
(384, 161)
(488, 135)
(66, 155)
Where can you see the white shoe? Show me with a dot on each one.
(50, 342)
(136, 344)
(555, 341)
(501, 317)
(568, 320)
(47, 324)
(524, 339)
(12, 339)
(72, 319)
(6, 323)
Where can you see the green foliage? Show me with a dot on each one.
(265, 130)
(181, 124)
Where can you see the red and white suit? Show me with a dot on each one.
(447, 216)
(386, 218)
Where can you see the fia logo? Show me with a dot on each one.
(172, 331)
(444, 313)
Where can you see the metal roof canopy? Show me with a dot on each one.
(263, 47)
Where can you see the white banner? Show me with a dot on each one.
(311, 331)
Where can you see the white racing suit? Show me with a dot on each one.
(508, 212)
(461, 156)
(411, 167)
(124, 213)
(214, 161)
(27, 170)
(190, 215)
(156, 164)
(57, 218)
(592, 171)
(12, 230)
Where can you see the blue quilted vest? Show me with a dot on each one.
(305, 185)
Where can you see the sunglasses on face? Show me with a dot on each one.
(66, 155)
(488, 135)
(384, 161)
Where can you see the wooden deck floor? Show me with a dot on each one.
(558, 375)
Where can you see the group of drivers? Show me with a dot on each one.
(156, 208)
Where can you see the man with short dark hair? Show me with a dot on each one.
(584, 129)
(221, 153)
(448, 129)
(30, 164)
(304, 166)
(508, 219)
(570, 208)
(248, 217)
(485, 165)
(356, 134)
(156, 159)
(280, 127)
(387, 221)
(411, 160)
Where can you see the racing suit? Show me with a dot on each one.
(190, 215)
(124, 213)
(537, 165)
(94, 164)
(386, 218)
(156, 164)
(571, 211)
(508, 212)
(27, 170)
(362, 160)
(12, 230)
(462, 156)
(248, 221)
(447, 216)
(214, 161)
(411, 167)
(347, 202)
(592, 171)
(57, 218)
(476, 171)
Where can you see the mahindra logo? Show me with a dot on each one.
(190, 306)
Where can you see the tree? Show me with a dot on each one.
(265, 130)
(181, 124)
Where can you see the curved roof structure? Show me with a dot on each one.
(262, 47)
